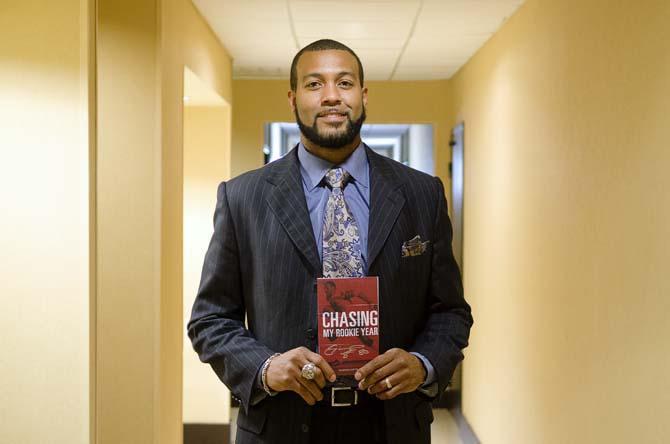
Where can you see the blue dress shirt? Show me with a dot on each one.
(356, 193)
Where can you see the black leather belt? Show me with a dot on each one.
(343, 396)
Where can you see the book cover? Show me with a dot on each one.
(348, 319)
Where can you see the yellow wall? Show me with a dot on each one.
(91, 140)
(567, 216)
(143, 47)
(256, 102)
(206, 142)
(188, 41)
(261, 101)
(44, 229)
(128, 222)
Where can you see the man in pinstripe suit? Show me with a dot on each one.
(264, 258)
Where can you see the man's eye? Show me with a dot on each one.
(346, 83)
(313, 85)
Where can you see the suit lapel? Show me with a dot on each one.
(287, 202)
(386, 201)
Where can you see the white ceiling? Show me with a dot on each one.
(395, 39)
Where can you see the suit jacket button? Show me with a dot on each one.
(305, 428)
(310, 333)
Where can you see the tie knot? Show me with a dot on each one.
(337, 177)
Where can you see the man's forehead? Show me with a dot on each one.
(327, 61)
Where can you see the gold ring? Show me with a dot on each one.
(388, 383)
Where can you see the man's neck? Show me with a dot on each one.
(333, 155)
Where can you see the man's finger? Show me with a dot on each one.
(378, 362)
(379, 374)
(326, 369)
(303, 392)
(392, 393)
(312, 388)
(318, 373)
(394, 377)
(319, 378)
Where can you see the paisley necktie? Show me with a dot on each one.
(341, 239)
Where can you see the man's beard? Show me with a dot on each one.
(333, 141)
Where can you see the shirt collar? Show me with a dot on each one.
(314, 168)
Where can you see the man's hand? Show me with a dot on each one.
(284, 373)
(402, 370)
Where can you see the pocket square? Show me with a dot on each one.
(414, 247)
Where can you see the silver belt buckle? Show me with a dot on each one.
(342, 404)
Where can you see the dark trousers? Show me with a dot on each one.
(359, 424)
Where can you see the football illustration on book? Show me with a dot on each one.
(348, 318)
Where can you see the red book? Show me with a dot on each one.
(348, 318)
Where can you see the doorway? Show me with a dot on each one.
(410, 144)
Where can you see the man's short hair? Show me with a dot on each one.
(322, 45)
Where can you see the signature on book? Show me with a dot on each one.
(345, 350)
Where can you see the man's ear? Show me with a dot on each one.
(291, 100)
(364, 92)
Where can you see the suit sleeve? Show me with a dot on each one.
(217, 326)
(447, 329)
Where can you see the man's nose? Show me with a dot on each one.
(331, 95)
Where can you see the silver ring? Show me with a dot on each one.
(388, 383)
(308, 371)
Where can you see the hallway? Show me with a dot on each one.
(109, 179)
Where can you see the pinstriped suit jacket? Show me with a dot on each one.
(262, 263)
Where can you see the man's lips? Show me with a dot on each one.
(332, 116)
